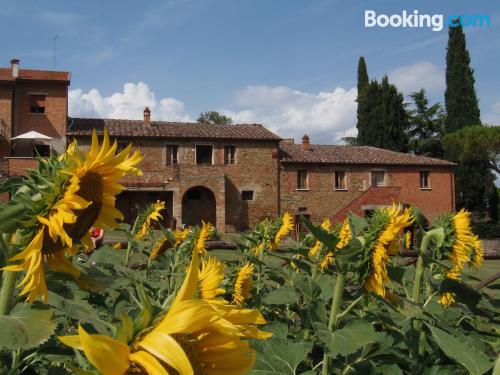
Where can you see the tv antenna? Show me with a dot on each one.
(54, 50)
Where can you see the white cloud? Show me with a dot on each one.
(420, 75)
(492, 117)
(128, 104)
(325, 116)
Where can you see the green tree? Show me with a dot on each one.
(477, 150)
(213, 117)
(383, 117)
(363, 83)
(460, 96)
(473, 144)
(425, 126)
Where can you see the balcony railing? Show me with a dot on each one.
(18, 166)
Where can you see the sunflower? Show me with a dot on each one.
(164, 243)
(243, 285)
(196, 336)
(150, 216)
(386, 244)
(82, 187)
(407, 240)
(203, 236)
(210, 278)
(283, 231)
(326, 226)
(345, 235)
(463, 247)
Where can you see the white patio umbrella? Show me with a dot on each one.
(32, 135)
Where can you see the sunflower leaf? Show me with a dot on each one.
(26, 327)
(458, 349)
(348, 339)
(330, 240)
(279, 357)
(281, 296)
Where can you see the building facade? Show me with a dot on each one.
(230, 175)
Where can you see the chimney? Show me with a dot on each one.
(147, 116)
(305, 143)
(14, 63)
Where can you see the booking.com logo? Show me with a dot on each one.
(416, 20)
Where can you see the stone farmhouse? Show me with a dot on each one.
(230, 175)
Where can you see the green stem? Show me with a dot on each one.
(7, 291)
(129, 243)
(334, 314)
(419, 273)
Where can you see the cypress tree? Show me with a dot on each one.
(383, 118)
(362, 85)
(460, 96)
(474, 180)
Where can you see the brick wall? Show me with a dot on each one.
(5, 118)
(402, 185)
(53, 121)
(256, 169)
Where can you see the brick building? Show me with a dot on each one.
(230, 175)
(31, 100)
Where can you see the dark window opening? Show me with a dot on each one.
(424, 180)
(378, 178)
(369, 213)
(41, 150)
(37, 103)
(193, 195)
(172, 154)
(302, 179)
(229, 155)
(204, 154)
(247, 195)
(340, 180)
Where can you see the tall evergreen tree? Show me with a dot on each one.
(474, 180)
(363, 83)
(426, 126)
(382, 117)
(460, 96)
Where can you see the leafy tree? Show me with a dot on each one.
(460, 96)
(473, 144)
(383, 117)
(363, 83)
(213, 117)
(477, 149)
(425, 126)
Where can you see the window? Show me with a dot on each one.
(302, 180)
(340, 180)
(378, 178)
(204, 154)
(229, 155)
(37, 103)
(41, 150)
(424, 180)
(172, 154)
(302, 209)
(247, 195)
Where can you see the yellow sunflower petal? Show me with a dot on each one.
(164, 347)
(148, 363)
(109, 356)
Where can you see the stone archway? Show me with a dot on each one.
(198, 204)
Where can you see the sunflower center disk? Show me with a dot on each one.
(91, 189)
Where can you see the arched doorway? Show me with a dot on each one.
(198, 204)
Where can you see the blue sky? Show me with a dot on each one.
(290, 65)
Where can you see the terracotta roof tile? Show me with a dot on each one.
(164, 129)
(336, 154)
(36, 75)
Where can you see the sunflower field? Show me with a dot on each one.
(340, 301)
